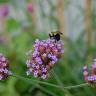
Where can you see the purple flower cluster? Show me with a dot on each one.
(46, 53)
(4, 66)
(90, 78)
(4, 10)
(30, 7)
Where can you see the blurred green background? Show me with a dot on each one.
(23, 21)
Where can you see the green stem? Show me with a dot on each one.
(49, 84)
(60, 83)
(76, 86)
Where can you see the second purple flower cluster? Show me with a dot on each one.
(90, 78)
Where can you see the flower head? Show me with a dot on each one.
(90, 78)
(45, 55)
(4, 67)
(30, 7)
(4, 10)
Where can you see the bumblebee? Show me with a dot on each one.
(55, 35)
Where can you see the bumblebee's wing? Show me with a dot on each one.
(59, 32)
(54, 32)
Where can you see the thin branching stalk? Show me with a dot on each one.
(33, 82)
(49, 84)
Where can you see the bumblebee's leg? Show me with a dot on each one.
(50, 35)
(54, 37)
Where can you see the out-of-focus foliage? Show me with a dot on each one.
(4, 1)
(19, 36)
